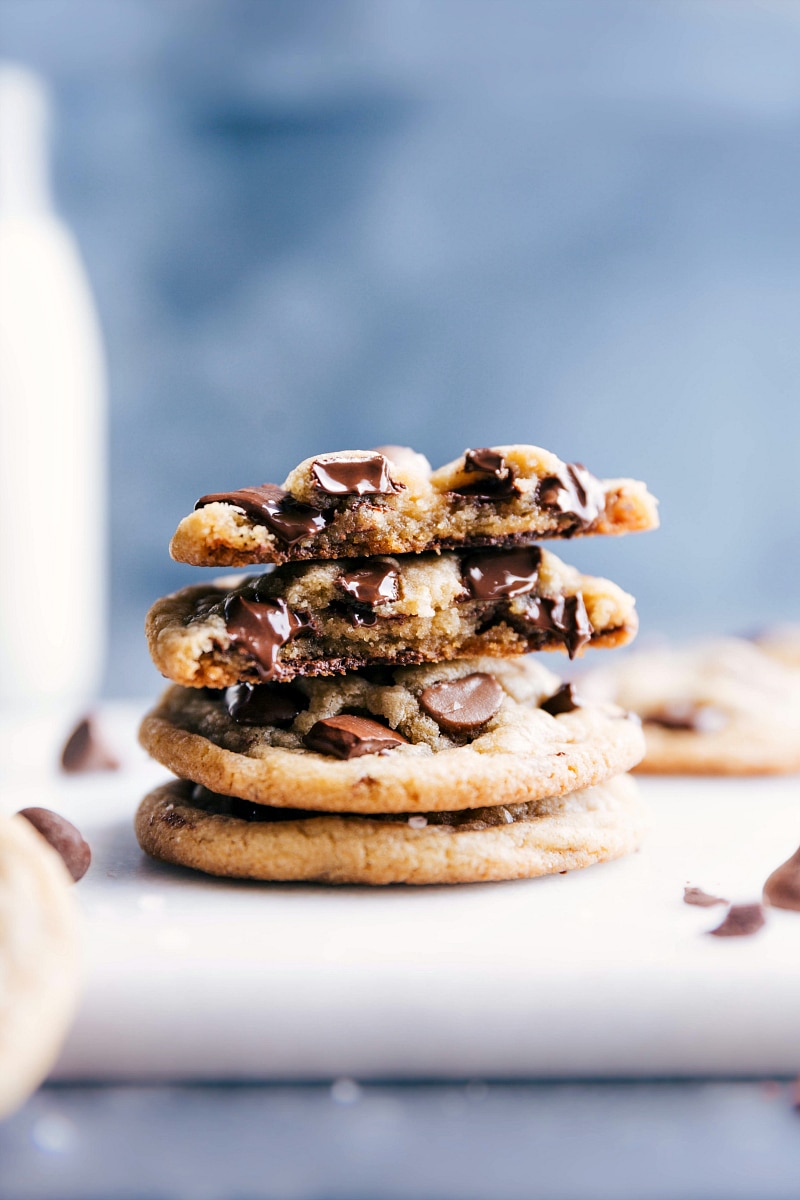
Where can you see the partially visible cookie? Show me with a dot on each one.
(38, 959)
(369, 502)
(328, 617)
(717, 708)
(408, 739)
(190, 827)
(781, 642)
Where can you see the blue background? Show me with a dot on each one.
(323, 224)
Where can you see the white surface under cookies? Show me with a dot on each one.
(603, 972)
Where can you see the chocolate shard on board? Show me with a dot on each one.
(269, 505)
(701, 899)
(575, 492)
(497, 477)
(782, 889)
(565, 615)
(686, 716)
(376, 582)
(265, 704)
(85, 750)
(350, 736)
(501, 573)
(463, 706)
(261, 628)
(742, 921)
(565, 700)
(367, 475)
(65, 839)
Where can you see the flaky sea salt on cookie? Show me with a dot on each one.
(370, 502)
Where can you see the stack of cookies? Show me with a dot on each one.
(361, 712)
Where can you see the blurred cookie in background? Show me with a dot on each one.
(781, 642)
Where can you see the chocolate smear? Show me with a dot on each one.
(85, 750)
(575, 492)
(63, 837)
(265, 703)
(565, 700)
(261, 628)
(463, 706)
(782, 889)
(367, 475)
(686, 716)
(377, 582)
(289, 519)
(497, 477)
(701, 899)
(742, 921)
(350, 736)
(501, 573)
(566, 615)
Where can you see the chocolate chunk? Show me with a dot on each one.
(265, 704)
(367, 475)
(377, 582)
(85, 751)
(574, 492)
(261, 628)
(701, 899)
(492, 575)
(741, 921)
(270, 505)
(566, 615)
(63, 837)
(349, 736)
(463, 706)
(685, 715)
(565, 700)
(782, 889)
(497, 476)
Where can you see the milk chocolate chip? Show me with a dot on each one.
(685, 715)
(374, 583)
(574, 492)
(565, 700)
(566, 615)
(63, 837)
(367, 475)
(499, 573)
(85, 750)
(701, 899)
(270, 505)
(349, 736)
(782, 889)
(497, 476)
(742, 921)
(265, 703)
(463, 706)
(261, 628)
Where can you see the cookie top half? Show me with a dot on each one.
(389, 501)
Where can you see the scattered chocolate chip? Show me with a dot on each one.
(270, 505)
(349, 736)
(497, 477)
(575, 492)
(701, 899)
(265, 704)
(501, 573)
(367, 475)
(565, 700)
(463, 706)
(741, 921)
(63, 837)
(85, 750)
(376, 582)
(261, 628)
(685, 715)
(782, 889)
(566, 615)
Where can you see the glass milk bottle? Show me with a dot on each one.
(52, 430)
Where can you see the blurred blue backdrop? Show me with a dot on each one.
(321, 224)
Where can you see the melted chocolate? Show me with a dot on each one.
(565, 700)
(65, 839)
(377, 582)
(575, 492)
(270, 505)
(463, 706)
(350, 736)
(265, 704)
(782, 889)
(85, 750)
(701, 899)
(501, 573)
(566, 615)
(689, 717)
(261, 628)
(742, 921)
(365, 476)
(497, 476)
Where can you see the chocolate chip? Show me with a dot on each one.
(85, 750)
(782, 889)
(367, 475)
(741, 921)
(685, 715)
(701, 899)
(349, 736)
(377, 582)
(498, 477)
(501, 573)
(574, 492)
(463, 706)
(565, 615)
(63, 837)
(565, 700)
(270, 505)
(261, 628)
(265, 704)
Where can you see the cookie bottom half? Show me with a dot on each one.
(191, 827)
